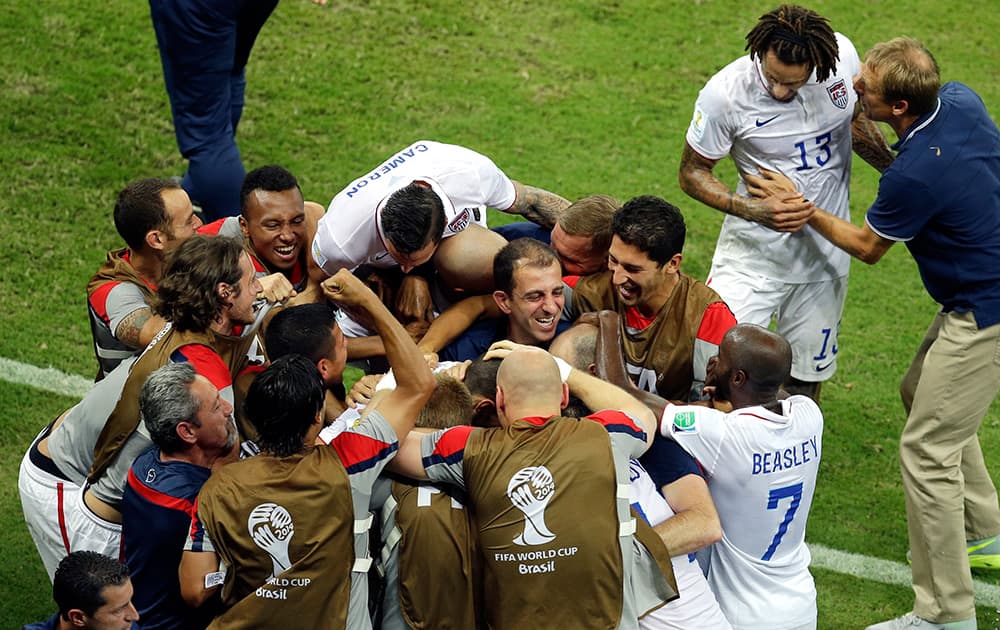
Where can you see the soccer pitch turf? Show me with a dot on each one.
(577, 97)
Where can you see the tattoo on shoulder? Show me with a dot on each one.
(129, 329)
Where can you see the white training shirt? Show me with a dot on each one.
(807, 139)
(761, 468)
(468, 183)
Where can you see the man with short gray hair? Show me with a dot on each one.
(193, 430)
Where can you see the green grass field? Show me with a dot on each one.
(578, 96)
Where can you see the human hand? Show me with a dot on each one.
(362, 391)
(457, 371)
(346, 289)
(432, 359)
(500, 349)
(776, 203)
(276, 288)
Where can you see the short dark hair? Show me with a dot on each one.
(282, 403)
(165, 401)
(272, 178)
(186, 296)
(449, 405)
(140, 208)
(80, 580)
(796, 35)
(521, 252)
(412, 217)
(304, 329)
(481, 377)
(653, 225)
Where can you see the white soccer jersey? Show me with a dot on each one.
(696, 607)
(761, 469)
(808, 139)
(349, 234)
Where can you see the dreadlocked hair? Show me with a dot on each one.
(796, 35)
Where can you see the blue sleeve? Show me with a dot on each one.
(901, 208)
(666, 462)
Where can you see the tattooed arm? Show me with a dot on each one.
(537, 205)
(787, 213)
(138, 328)
(869, 143)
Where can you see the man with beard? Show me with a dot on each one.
(671, 324)
(193, 430)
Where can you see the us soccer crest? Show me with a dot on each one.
(839, 94)
(460, 222)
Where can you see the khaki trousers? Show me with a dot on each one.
(950, 497)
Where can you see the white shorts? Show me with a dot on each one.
(43, 500)
(90, 532)
(807, 315)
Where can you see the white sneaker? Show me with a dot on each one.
(910, 620)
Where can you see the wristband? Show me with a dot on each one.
(564, 369)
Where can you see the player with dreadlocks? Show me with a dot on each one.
(788, 106)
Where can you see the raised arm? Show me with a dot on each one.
(414, 381)
(537, 205)
(697, 180)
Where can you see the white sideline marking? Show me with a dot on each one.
(823, 557)
(886, 571)
(46, 379)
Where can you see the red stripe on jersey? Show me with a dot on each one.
(716, 321)
(636, 320)
(536, 420)
(159, 498)
(196, 533)
(571, 281)
(612, 416)
(205, 362)
(99, 300)
(355, 449)
(212, 229)
(253, 368)
(258, 266)
(452, 441)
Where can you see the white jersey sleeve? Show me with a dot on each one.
(712, 130)
(698, 430)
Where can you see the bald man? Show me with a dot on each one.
(672, 497)
(555, 521)
(761, 461)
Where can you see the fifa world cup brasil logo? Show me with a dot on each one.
(530, 490)
(271, 528)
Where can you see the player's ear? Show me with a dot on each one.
(674, 264)
(77, 618)
(243, 226)
(185, 430)
(565, 396)
(502, 300)
(156, 239)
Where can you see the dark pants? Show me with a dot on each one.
(204, 47)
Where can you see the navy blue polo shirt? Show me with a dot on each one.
(157, 506)
(941, 196)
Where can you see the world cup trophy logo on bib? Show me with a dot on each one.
(530, 490)
(271, 528)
